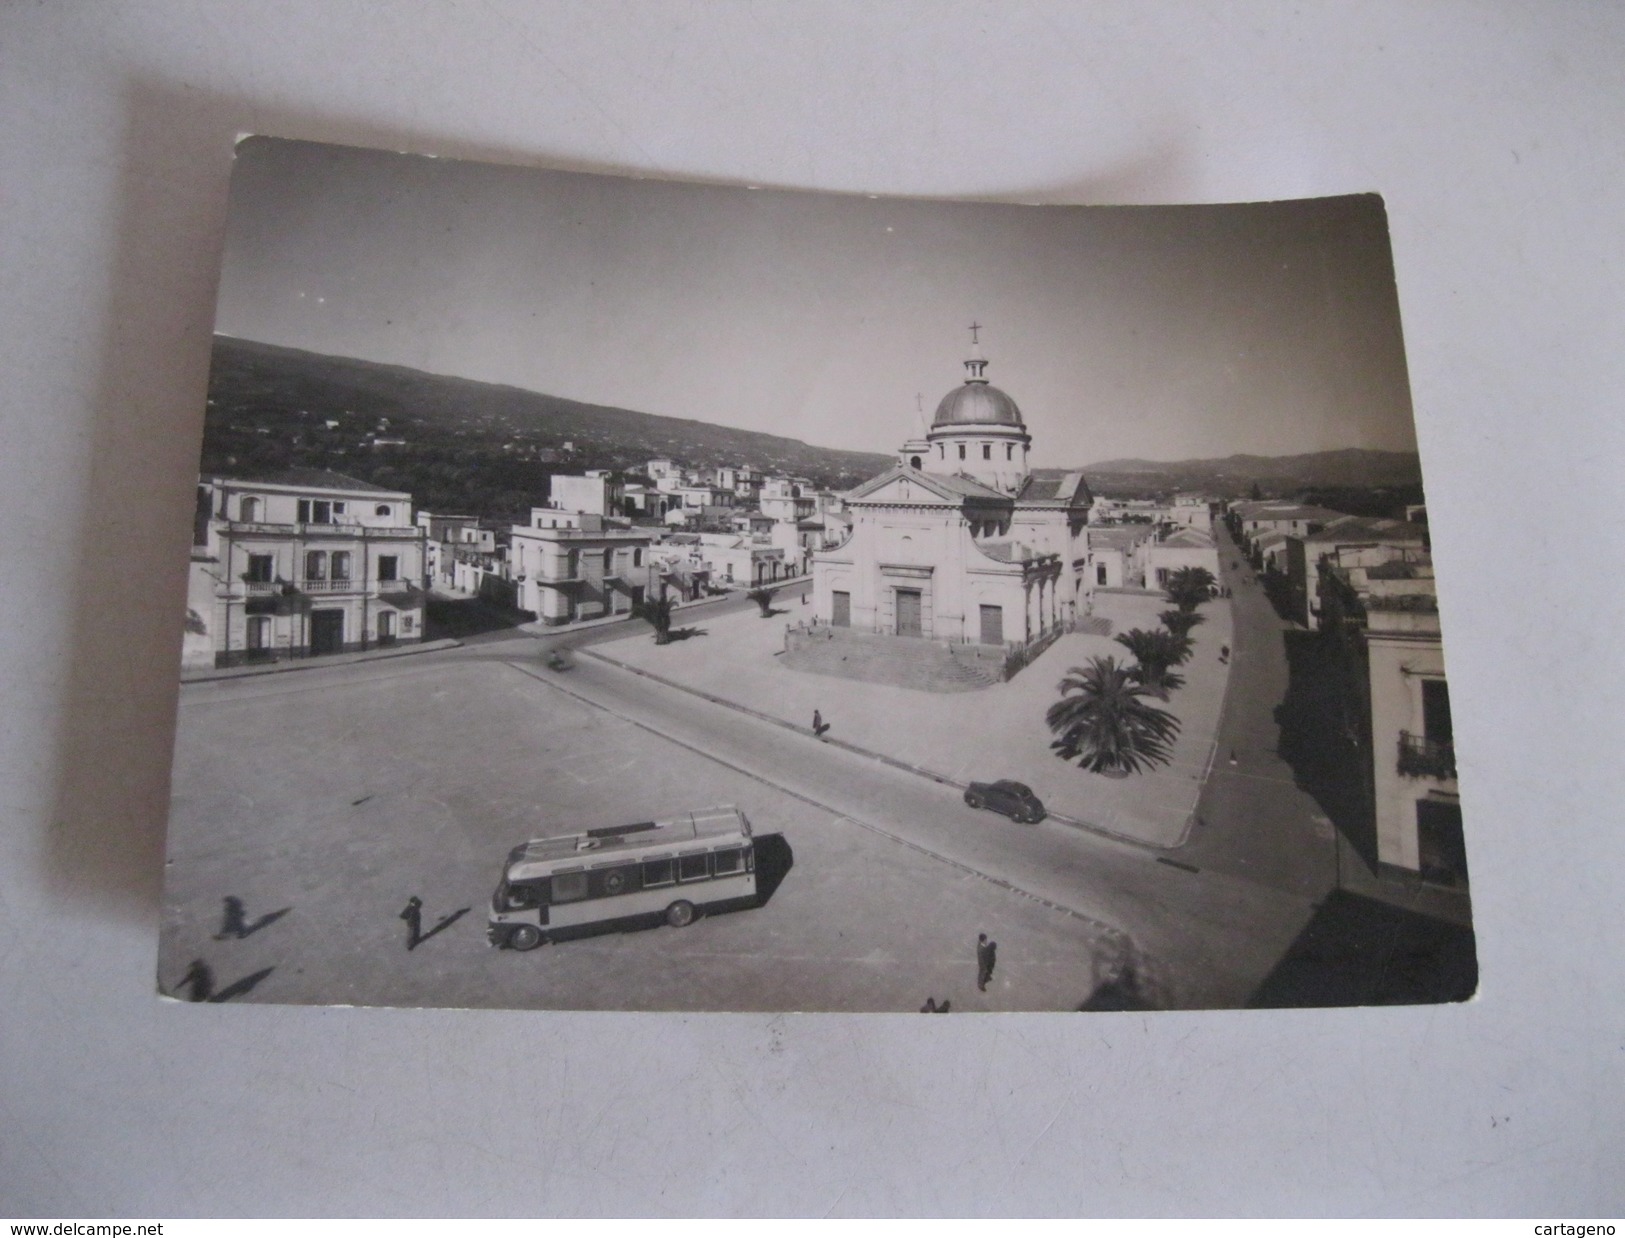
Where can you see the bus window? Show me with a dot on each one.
(568, 887)
(612, 881)
(658, 873)
(726, 862)
(693, 867)
(518, 897)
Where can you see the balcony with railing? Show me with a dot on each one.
(321, 585)
(333, 528)
(335, 585)
(1421, 757)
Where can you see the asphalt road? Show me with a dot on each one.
(1256, 822)
(1207, 932)
(340, 790)
(324, 799)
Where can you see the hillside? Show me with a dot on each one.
(1350, 468)
(454, 443)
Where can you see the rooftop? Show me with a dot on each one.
(1119, 537)
(954, 487)
(1055, 486)
(311, 479)
(1011, 552)
(1369, 528)
(1199, 539)
(1294, 511)
(1397, 569)
(975, 403)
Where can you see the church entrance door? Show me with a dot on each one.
(992, 625)
(908, 612)
(840, 609)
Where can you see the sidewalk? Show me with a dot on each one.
(315, 663)
(536, 628)
(998, 732)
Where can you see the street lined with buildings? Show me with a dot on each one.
(868, 656)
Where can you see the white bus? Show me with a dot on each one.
(624, 876)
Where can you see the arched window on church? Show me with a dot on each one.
(250, 509)
(1009, 451)
(961, 451)
(914, 462)
(987, 451)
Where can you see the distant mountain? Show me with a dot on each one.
(457, 444)
(1349, 467)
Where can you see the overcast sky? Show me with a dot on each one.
(1162, 332)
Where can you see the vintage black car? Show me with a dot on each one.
(1014, 799)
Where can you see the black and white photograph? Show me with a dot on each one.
(578, 565)
(627, 594)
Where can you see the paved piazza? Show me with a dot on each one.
(338, 793)
(996, 732)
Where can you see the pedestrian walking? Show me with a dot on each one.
(987, 953)
(1224, 653)
(233, 919)
(412, 913)
(200, 979)
(819, 725)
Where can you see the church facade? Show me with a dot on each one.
(961, 541)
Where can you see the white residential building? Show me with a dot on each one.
(581, 566)
(301, 563)
(597, 491)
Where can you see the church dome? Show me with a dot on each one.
(977, 404)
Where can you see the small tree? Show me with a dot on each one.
(656, 612)
(763, 597)
(1103, 721)
(1189, 587)
(1180, 622)
(1156, 653)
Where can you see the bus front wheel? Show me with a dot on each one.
(525, 937)
(680, 913)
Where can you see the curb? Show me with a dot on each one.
(1110, 931)
(317, 663)
(906, 766)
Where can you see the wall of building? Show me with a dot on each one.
(1401, 655)
(575, 564)
(1160, 560)
(202, 621)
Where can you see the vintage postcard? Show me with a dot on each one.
(620, 594)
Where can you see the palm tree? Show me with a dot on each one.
(1156, 653)
(1180, 622)
(763, 597)
(1189, 587)
(1103, 720)
(657, 613)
